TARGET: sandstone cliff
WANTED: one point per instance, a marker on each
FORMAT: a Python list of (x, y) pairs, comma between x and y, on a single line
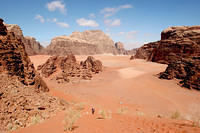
[(32, 46), (64, 45), (176, 42), (23, 100), (145, 51), (82, 43)]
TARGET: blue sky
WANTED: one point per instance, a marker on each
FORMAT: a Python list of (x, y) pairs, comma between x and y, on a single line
[(133, 22)]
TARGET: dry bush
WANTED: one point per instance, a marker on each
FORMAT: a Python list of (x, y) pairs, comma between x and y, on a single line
[(71, 117), (104, 114), (176, 115)]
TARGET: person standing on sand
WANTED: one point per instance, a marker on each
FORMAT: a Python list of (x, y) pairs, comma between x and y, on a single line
[(93, 110)]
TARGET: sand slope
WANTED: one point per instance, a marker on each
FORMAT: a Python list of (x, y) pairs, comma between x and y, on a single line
[(131, 93)]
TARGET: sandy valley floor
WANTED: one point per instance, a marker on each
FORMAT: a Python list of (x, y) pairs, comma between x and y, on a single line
[(133, 96)]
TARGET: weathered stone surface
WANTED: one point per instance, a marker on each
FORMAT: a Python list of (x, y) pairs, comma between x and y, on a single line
[(179, 47), (64, 45), (21, 106), (145, 51), (32, 46), (82, 43), (185, 69), (68, 69), (120, 49), (176, 42), (15, 61), (92, 64)]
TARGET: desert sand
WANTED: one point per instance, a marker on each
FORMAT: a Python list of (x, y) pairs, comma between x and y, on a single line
[(131, 93)]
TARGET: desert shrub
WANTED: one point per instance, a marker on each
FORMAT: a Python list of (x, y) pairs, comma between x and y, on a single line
[(71, 117), (103, 114), (176, 115)]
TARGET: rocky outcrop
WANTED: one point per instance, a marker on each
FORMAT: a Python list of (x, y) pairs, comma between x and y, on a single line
[(92, 64), (82, 43), (64, 45), (122, 51), (15, 61), (185, 69), (21, 106), (32, 46), (23, 100), (179, 47), (120, 48), (176, 43), (145, 51), (66, 69)]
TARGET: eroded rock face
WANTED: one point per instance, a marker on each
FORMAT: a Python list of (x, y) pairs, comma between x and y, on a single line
[(145, 51), (15, 62), (20, 103), (64, 45), (179, 47), (176, 42), (82, 43), (92, 64), (120, 48), (67, 69), (32, 46), (21, 106), (185, 69)]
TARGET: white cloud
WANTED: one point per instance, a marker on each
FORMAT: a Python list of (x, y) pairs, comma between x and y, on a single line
[(40, 18), (63, 24), (115, 22), (52, 20), (87, 22), (109, 11), (57, 4), (131, 34), (92, 15)]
